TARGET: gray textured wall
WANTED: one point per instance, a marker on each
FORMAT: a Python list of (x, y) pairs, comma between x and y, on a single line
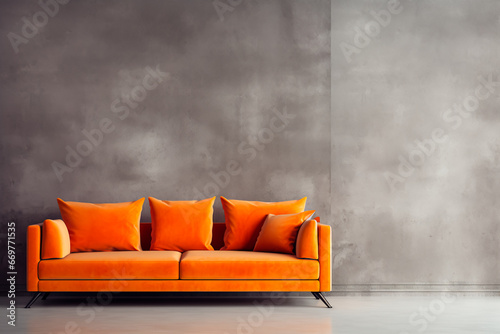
[(228, 74), (437, 218)]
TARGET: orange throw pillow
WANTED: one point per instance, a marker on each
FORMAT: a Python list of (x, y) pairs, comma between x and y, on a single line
[(307, 240), (102, 227), (244, 220), (181, 225), (279, 232)]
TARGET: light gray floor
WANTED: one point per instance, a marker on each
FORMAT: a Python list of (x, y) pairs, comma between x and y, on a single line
[(437, 313)]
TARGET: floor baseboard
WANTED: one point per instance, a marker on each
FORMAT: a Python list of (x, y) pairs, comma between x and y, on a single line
[(352, 289)]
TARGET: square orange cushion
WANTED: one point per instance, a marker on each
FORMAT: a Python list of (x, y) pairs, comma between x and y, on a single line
[(244, 219), (181, 225), (279, 232), (102, 227)]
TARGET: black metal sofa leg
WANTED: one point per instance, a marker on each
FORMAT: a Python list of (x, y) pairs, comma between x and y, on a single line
[(315, 295), (33, 299), (45, 295), (323, 298)]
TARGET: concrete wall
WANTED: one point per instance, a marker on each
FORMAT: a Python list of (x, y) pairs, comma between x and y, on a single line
[(404, 212), (246, 90)]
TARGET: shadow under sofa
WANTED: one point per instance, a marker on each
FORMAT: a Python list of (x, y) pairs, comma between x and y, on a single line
[(169, 271)]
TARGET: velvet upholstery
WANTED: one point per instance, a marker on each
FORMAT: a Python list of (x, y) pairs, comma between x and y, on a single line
[(181, 225), (245, 265), (125, 281), (33, 242), (113, 265), (102, 227), (179, 285), (244, 219), (55, 239), (325, 257), (307, 240), (218, 230), (279, 232)]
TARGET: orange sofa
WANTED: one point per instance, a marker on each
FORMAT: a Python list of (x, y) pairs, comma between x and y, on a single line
[(163, 271)]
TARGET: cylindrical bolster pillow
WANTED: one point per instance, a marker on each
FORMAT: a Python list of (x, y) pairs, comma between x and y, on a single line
[(307, 240), (55, 239)]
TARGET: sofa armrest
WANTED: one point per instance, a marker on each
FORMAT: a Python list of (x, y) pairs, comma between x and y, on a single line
[(325, 257), (33, 242), (55, 239)]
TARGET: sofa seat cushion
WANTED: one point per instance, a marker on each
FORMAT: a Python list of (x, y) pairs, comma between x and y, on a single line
[(246, 265), (113, 265)]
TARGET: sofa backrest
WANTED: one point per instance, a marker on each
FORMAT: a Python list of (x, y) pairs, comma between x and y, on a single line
[(217, 235)]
